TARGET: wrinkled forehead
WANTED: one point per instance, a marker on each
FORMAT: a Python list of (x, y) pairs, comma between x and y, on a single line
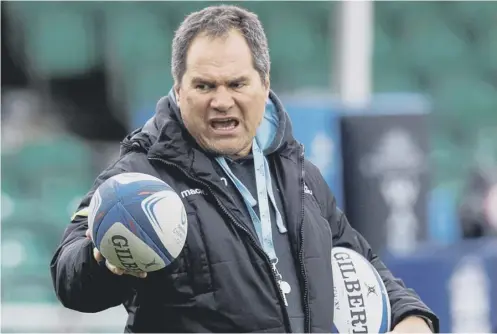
[(219, 58)]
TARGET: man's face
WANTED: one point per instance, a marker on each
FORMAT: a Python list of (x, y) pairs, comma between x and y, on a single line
[(221, 96)]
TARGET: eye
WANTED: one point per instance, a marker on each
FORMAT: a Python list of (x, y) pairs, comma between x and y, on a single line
[(202, 87), (237, 85)]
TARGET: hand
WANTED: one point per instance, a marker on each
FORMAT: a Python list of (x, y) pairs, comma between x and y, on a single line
[(412, 324), (115, 270)]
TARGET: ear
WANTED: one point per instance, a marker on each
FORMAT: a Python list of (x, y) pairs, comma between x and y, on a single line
[(267, 85), (177, 92)]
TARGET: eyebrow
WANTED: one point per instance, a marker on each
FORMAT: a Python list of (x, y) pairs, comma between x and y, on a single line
[(242, 78), (195, 80), (202, 80)]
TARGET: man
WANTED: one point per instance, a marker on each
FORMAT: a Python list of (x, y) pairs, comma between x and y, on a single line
[(261, 222)]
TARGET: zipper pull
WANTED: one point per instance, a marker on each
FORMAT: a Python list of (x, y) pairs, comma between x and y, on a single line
[(276, 272)]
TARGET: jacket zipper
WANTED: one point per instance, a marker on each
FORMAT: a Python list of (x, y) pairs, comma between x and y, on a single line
[(240, 226), (307, 318)]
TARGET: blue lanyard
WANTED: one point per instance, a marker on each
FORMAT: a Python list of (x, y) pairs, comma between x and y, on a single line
[(264, 195)]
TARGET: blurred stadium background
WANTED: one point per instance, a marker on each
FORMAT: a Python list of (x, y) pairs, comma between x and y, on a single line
[(396, 103)]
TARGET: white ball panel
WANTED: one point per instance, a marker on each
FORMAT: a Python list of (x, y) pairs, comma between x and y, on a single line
[(126, 178), (125, 250), (167, 215)]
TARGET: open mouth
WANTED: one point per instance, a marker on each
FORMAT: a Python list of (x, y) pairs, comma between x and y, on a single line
[(225, 124)]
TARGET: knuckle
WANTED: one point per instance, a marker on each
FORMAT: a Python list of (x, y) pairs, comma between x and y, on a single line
[(112, 268)]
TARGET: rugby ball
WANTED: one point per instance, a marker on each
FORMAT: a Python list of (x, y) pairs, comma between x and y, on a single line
[(138, 222), (361, 303)]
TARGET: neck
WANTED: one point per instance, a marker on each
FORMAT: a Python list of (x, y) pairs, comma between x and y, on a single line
[(242, 154)]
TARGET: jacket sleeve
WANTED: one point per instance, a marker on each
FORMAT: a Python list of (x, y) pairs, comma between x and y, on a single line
[(404, 301), (80, 283)]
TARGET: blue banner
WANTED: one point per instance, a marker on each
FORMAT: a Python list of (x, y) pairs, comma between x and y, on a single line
[(317, 126)]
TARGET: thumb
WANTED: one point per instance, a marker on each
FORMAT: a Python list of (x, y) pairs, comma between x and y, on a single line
[(97, 255), (88, 234)]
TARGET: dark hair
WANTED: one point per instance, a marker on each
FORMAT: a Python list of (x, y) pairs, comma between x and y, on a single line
[(217, 21)]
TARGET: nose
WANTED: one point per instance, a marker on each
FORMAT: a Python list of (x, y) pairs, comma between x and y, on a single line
[(222, 100)]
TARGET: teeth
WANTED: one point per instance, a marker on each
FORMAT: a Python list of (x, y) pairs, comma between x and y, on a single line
[(224, 124)]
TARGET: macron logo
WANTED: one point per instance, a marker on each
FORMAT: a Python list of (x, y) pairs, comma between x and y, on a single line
[(189, 192)]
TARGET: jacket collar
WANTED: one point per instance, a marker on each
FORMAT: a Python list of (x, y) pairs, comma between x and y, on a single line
[(165, 136)]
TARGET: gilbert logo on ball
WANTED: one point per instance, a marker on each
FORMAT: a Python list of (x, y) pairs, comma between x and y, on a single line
[(361, 302), (138, 222)]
